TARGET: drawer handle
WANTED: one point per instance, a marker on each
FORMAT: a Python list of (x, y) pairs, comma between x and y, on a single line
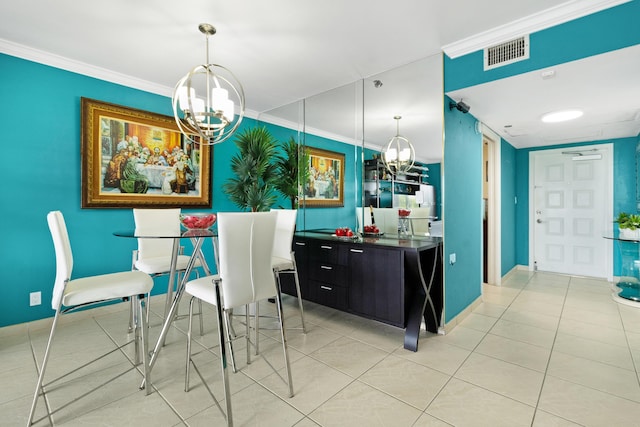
[(326, 247), (301, 244), (326, 288), (358, 251), (326, 267)]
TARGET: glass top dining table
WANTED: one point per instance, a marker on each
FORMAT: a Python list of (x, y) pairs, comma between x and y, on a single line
[(197, 237), (160, 234)]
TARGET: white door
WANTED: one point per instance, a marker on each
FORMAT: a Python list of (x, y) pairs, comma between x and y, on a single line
[(572, 210)]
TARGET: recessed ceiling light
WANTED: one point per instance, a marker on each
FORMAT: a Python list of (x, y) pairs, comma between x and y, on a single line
[(561, 116)]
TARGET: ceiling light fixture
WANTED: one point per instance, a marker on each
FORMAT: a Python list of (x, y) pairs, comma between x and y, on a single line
[(205, 100), (561, 116), (399, 155)]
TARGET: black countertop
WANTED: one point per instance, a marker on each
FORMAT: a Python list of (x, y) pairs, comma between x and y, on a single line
[(409, 242)]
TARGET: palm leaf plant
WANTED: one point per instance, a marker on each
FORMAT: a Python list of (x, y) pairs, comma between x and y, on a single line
[(293, 171), (254, 184), (630, 221)]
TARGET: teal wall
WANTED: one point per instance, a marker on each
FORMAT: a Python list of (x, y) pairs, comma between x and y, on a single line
[(624, 190), (608, 30), (41, 131), (604, 31), (462, 210), (508, 204), (44, 174)]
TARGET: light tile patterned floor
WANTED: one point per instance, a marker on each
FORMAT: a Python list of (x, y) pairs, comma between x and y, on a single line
[(541, 350)]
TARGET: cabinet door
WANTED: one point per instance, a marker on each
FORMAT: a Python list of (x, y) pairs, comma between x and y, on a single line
[(376, 287)]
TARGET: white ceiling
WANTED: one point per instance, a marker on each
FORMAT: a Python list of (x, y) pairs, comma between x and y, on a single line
[(605, 87), (286, 50)]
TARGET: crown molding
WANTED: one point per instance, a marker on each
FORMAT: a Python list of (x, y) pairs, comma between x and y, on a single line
[(539, 21), (64, 63), (67, 64)]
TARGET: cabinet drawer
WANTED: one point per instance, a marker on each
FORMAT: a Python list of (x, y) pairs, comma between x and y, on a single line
[(330, 273), (327, 252), (328, 294)]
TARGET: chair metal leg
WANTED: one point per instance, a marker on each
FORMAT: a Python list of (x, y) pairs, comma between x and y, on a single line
[(201, 318), (188, 364), (226, 327), (293, 271), (297, 281), (257, 326), (137, 341), (148, 306), (144, 337), (247, 335), (284, 343), (223, 356), (43, 369), (132, 309)]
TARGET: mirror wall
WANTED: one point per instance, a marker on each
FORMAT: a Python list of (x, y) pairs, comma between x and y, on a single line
[(355, 122)]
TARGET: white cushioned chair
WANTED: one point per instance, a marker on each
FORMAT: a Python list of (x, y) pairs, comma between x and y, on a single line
[(153, 255), (245, 242), (284, 260), (70, 294)]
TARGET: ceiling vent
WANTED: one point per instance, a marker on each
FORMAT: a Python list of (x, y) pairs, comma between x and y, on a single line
[(506, 53)]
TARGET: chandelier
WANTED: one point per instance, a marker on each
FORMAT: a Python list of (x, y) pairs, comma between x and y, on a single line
[(205, 100), (399, 155)]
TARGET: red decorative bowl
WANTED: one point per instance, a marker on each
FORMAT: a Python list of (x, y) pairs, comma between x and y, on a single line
[(404, 212), (197, 221)]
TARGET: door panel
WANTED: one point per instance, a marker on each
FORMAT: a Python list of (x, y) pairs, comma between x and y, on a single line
[(570, 213)]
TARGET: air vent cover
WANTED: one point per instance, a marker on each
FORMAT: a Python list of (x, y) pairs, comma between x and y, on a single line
[(506, 53)]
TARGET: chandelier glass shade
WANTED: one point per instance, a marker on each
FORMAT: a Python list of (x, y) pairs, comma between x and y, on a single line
[(398, 156), (206, 99)]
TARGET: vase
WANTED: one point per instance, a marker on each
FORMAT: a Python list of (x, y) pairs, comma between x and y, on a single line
[(628, 234)]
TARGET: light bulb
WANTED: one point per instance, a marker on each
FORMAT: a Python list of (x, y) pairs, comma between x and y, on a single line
[(184, 94), (391, 155)]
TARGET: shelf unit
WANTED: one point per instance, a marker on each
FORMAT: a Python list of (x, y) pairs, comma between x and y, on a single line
[(380, 187)]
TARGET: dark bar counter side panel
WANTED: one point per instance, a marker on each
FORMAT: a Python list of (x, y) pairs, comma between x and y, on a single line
[(395, 281)]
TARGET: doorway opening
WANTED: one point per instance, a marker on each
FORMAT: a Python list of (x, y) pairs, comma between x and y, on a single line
[(571, 208), (491, 214)]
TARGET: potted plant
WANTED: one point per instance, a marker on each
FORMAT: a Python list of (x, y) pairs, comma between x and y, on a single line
[(292, 170), (254, 185), (629, 225)]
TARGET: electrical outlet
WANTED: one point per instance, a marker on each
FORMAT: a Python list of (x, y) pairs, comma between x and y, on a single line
[(35, 298), (452, 258)]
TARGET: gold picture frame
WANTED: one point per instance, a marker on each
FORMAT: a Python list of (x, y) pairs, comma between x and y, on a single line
[(325, 184), (135, 158)]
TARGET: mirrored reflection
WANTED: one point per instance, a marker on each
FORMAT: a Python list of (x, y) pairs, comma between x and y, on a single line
[(333, 122), (354, 122), (414, 93), (330, 122)]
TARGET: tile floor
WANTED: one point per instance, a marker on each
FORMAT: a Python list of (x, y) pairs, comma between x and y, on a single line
[(542, 350)]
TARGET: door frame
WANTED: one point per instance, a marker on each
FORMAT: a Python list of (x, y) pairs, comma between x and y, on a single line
[(608, 203), (494, 214)]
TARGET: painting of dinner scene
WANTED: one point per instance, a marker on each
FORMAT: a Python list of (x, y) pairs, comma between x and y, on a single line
[(136, 158)]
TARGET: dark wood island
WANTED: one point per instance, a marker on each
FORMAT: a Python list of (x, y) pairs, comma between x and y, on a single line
[(393, 280)]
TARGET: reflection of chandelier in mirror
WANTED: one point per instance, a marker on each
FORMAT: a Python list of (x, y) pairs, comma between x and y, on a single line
[(208, 119), (398, 155)]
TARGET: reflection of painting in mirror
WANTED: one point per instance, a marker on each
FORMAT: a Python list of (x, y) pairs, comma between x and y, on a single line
[(325, 184)]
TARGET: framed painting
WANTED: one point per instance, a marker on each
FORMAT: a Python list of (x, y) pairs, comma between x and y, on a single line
[(325, 184), (134, 158)]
